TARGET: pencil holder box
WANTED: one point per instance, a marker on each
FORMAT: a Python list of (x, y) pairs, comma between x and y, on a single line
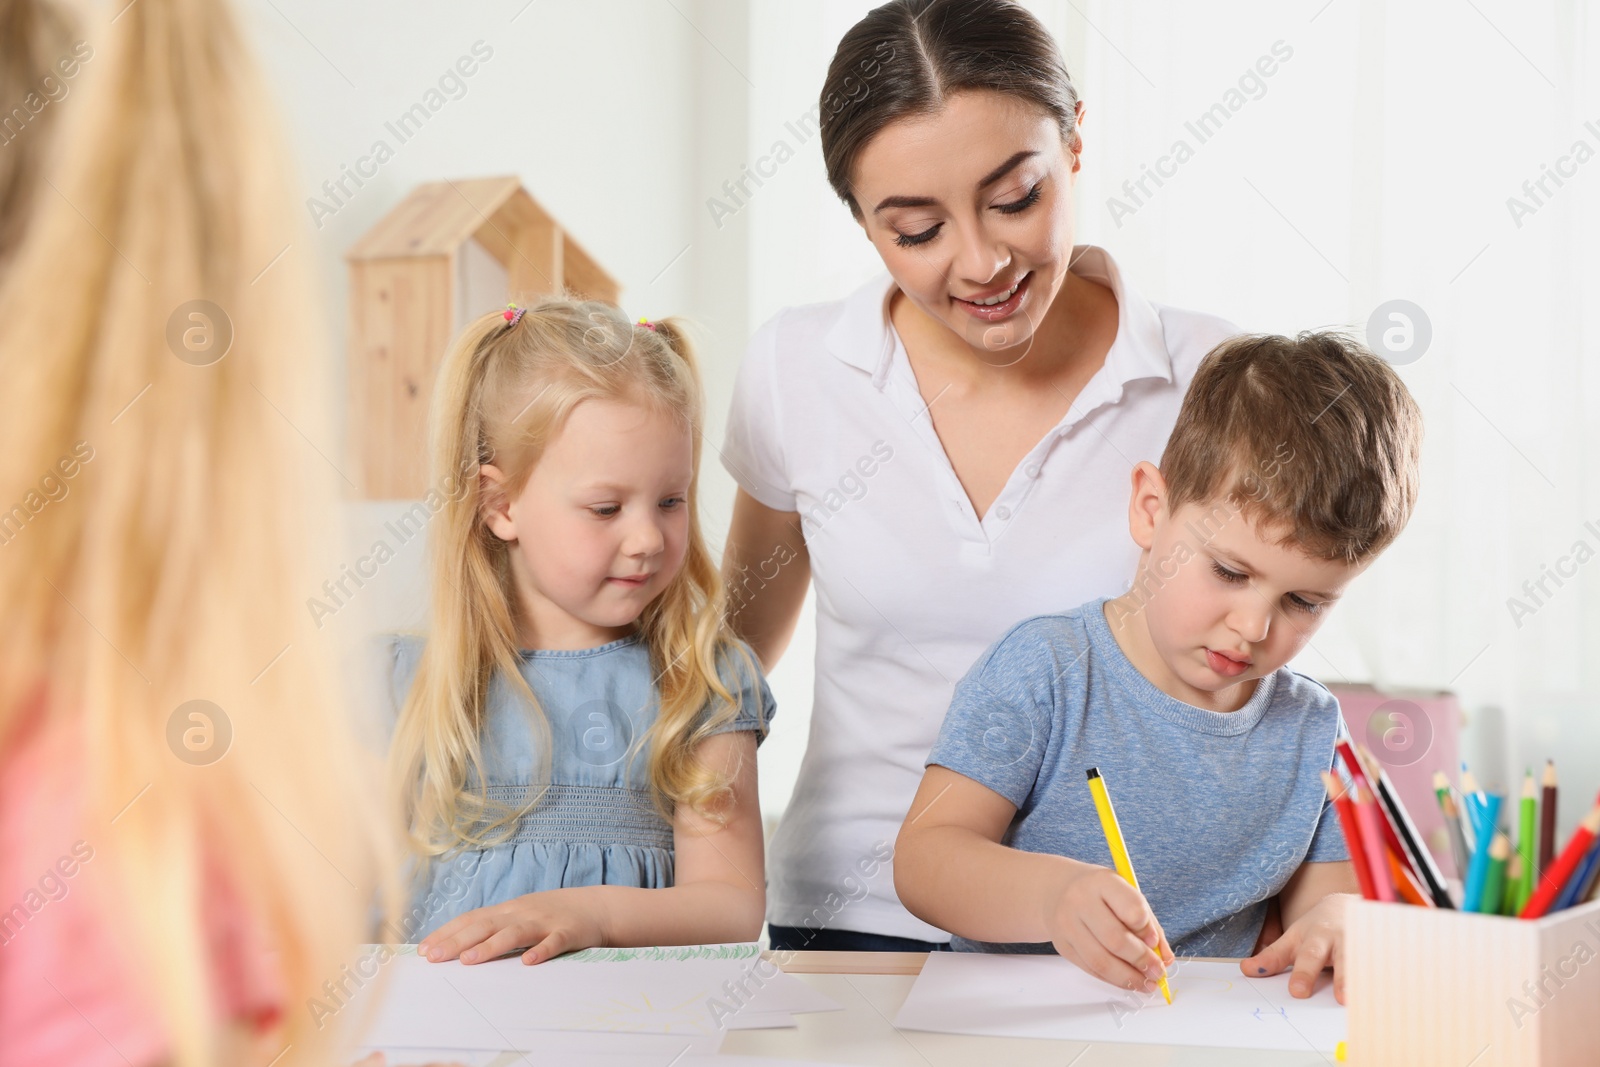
[(1427, 986)]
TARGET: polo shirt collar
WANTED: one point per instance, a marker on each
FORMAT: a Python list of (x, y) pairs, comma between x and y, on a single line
[(863, 337)]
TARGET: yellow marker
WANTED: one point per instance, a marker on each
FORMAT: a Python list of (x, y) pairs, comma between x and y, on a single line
[(1339, 1052), (1119, 849)]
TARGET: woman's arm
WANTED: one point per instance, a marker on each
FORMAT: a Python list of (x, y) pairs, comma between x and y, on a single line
[(951, 870), (767, 568), (718, 895)]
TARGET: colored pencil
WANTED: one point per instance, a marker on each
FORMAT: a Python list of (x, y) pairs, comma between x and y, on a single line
[(1582, 879), (1405, 883), (1452, 822), (1415, 850), (1547, 819), (1359, 776), (1581, 885), (1352, 834), (1118, 847), (1468, 831), (1554, 878), (1478, 870), (1474, 798), (1525, 841), (1368, 819), (1591, 891), (1494, 880), (1508, 899)]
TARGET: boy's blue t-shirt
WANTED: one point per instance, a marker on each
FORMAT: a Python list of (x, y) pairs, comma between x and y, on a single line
[(1218, 809)]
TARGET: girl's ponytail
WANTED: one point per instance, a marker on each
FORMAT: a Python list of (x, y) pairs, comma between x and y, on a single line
[(472, 630), (675, 333)]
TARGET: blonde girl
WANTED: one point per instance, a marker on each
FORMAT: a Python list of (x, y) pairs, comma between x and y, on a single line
[(576, 750), (186, 849)]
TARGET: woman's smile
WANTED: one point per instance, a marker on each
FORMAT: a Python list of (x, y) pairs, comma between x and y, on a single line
[(999, 303)]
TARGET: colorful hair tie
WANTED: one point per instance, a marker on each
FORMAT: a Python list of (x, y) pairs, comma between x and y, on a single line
[(647, 324), (513, 314)]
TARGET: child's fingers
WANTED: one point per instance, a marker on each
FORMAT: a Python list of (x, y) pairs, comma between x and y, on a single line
[(465, 942), (553, 945), (1109, 931), (1124, 944), (1076, 943), (1128, 906), (1316, 951), (1128, 928), (1162, 947), (507, 939), (1338, 969), (1275, 958), (1095, 960), (1111, 953), (447, 942)]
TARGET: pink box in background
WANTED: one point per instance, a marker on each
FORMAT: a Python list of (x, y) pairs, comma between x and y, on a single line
[(1413, 734)]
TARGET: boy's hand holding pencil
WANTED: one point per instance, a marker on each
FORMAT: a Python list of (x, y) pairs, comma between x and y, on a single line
[(1111, 914), (1105, 926)]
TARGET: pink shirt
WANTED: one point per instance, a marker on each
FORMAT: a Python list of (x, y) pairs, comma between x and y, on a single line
[(71, 989)]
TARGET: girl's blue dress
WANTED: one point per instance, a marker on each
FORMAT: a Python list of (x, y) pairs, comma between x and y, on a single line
[(597, 824)]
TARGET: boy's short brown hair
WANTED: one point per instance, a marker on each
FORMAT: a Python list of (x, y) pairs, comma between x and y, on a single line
[(1313, 434)]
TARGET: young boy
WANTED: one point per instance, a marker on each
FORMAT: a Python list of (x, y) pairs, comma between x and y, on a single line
[(1293, 464)]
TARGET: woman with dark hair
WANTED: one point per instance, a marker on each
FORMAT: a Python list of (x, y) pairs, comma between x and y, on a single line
[(947, 450)]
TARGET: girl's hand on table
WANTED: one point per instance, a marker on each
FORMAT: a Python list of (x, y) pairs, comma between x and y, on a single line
[(546, 924)]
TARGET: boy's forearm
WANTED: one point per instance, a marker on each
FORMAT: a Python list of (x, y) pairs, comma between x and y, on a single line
[(693, 914), (1311, 883), (962, 882)]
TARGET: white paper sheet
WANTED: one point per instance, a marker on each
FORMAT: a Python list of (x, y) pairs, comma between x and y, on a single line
[(583, 1048), (754, 1061), (1213, 1005), (597, 1049), (760, 1020), (697, 992), (561, 1046), (416, 1057)]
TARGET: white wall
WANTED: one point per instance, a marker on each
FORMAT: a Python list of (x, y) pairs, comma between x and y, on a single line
[(620, 116)]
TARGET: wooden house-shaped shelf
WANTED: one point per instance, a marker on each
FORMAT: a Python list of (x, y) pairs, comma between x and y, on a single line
[(447, 253)]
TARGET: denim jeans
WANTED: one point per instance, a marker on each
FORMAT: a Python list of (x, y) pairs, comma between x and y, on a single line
[(799, 938)]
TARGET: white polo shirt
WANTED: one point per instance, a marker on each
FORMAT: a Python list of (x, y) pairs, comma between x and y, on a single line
[(911, 587)]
